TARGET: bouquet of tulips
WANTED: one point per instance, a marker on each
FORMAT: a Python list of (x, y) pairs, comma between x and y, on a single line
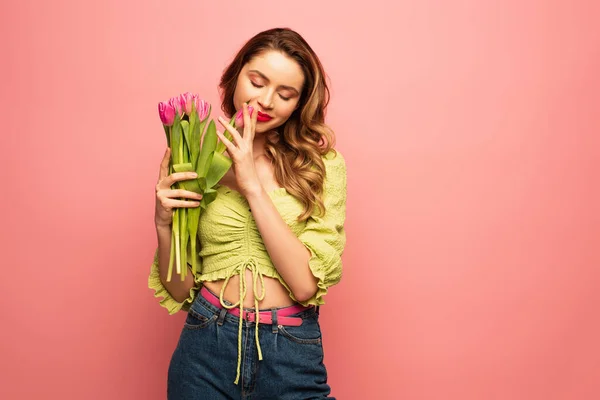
[(193, 148)]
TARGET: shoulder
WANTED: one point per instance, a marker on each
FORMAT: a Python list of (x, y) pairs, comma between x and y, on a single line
[(335, 164), (334, 185)]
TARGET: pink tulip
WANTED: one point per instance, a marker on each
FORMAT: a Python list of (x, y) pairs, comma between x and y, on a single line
[(202, 107), (239, 118), (166, 113), (186, 102), (175, 102)]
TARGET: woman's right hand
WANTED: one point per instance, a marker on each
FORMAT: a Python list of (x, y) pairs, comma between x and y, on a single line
[(166, 197)]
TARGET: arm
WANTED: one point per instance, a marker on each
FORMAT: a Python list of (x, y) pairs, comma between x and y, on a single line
[(311, 262), (178, 290), (290, 257), (175, 294)]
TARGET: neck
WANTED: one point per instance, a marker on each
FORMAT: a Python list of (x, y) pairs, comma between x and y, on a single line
[(258, 146)]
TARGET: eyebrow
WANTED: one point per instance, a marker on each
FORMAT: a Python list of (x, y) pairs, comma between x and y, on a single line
[(267, 79)]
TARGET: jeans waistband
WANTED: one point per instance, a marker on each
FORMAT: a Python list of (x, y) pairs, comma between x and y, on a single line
[(289, 315)]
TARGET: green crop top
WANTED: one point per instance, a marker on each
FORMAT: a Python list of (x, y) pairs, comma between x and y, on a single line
[(231, 243)]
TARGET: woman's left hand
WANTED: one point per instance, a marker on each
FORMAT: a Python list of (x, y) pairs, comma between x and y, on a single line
[(241, 153)]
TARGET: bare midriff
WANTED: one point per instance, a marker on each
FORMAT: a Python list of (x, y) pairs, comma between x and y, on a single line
[(276, 295)]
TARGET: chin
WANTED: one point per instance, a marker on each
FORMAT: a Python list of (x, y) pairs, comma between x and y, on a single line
[(266, 127)]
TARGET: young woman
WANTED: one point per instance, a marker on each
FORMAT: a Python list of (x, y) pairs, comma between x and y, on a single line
[(271, 242)]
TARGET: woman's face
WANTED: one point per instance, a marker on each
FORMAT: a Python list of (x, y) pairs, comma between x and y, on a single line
[(271, 82)]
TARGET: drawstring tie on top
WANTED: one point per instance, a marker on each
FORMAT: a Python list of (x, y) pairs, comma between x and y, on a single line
[(252, 265)]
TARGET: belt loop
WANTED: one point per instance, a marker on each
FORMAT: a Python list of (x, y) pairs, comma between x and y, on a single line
[(222, 316), (274, 320)]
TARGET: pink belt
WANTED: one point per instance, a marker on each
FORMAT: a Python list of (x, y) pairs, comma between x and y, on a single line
[(265, 316)]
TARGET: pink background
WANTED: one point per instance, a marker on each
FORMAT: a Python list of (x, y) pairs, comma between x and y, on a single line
[(470, 130)]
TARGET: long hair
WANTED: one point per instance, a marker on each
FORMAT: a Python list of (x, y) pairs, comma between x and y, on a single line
[(295, 149)]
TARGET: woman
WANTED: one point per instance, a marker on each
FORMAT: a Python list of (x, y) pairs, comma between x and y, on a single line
[(270, 242)]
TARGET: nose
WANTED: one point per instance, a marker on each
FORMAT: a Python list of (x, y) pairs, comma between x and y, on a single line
[(265, 101)]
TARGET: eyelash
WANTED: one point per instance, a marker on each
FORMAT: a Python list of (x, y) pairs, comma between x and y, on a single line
[(259, 86)]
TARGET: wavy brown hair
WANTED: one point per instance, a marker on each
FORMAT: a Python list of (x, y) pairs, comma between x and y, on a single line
[(295, 149)]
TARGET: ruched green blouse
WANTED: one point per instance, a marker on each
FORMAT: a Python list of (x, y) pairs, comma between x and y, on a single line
[(230, 241)]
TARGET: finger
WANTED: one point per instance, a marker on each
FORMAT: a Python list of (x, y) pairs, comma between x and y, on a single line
[(254, 119), (181, 193), (247, 122), (167, 182), (164, 165), (230, 146), (234, 133), (170, 204)]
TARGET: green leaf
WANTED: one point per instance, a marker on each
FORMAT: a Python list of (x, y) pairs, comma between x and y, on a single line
[(167, 134), (195, 258), (198, 133), (176, 141), (183, 167), (217, 169), (187, 144), (189, 184), (208, 146), (185, 126), (207, 165), (194, 116), (196, 128), (193, 221), (202, 183), (208, 197), (221, 146)]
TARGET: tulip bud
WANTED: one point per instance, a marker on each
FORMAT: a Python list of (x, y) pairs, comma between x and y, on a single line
[(186, 102), (166, 113), (239, 118), (175, 102), (202, 107)]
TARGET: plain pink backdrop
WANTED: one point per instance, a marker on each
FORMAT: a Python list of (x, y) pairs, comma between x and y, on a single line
[(470, 130)]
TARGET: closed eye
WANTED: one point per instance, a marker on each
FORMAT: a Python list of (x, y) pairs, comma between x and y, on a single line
[(259, 86)]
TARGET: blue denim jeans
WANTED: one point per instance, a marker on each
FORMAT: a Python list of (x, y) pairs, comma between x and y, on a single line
[(204, 364)]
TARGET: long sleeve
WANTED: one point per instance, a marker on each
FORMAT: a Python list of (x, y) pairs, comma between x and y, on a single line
[(154, 283), (325, 236)]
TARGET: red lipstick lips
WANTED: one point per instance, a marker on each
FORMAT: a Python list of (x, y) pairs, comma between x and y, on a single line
[(262, 117)]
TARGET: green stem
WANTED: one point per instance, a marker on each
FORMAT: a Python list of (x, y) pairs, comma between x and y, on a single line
[(171, 256), (172, 252), (181, 148), (180, 213), (183, 234), (193, 244), (177, 245), (171, 144)]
